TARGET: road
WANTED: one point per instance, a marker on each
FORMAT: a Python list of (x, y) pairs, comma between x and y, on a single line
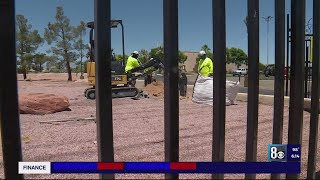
[(261, 91), (266, 87)]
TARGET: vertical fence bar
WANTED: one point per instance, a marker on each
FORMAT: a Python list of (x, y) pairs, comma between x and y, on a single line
[(288, 47), (306, 75), (123, 47), (9, 107), (171, 78), (219, 112), (314, 124), (280, 6), (298, 9), (253, 83), (102, 33)]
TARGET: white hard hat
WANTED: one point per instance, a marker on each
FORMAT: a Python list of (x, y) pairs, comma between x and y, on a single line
[(135, 52), (202, 53)]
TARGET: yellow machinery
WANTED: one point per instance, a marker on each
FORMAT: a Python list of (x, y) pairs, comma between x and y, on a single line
[(123, 84), (117, 80), (120, 83)]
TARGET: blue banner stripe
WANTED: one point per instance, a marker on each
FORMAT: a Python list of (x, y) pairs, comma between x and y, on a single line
[(73, 167), (249, 167), (164, 167), (133, 166)]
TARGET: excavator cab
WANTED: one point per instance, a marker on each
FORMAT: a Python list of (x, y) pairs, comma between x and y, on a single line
[(123, 84)]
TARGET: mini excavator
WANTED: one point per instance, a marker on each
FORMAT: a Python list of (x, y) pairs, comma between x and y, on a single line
[(123, 83)]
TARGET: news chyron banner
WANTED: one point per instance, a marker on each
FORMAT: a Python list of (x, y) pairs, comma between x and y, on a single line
[(282, 158)]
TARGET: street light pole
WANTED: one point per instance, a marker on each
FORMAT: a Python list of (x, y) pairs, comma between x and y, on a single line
[(267, 19), (81, 47)]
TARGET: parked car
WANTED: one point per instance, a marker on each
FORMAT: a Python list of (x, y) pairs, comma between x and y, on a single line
[(240, 72), (270, 70)]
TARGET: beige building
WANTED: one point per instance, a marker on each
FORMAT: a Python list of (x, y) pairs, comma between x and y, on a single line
[(190, 63)]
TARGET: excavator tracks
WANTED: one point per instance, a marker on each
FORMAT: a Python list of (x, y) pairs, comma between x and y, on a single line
[(119, 92)]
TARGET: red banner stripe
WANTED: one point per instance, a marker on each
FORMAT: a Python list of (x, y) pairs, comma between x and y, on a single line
[(183, 166), (110, 166)]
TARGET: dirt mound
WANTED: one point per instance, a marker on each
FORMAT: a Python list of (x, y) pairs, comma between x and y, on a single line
[(155, 89)]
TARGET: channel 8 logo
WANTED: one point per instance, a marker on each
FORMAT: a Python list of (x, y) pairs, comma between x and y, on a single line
[(277, 152)]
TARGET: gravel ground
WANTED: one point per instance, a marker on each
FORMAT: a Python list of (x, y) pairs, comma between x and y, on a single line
[(138, 135)]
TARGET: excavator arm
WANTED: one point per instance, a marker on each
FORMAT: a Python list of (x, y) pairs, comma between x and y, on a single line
[(155, 63)]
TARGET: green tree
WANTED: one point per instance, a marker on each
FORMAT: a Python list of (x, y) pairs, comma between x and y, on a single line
[(236, 56), (261, 67), (119, 57), (79, 45), (158, 53), (39, 60), (206, 49), (182, 57), (85, 65), (144, 56), (63, 35), (27, 43)]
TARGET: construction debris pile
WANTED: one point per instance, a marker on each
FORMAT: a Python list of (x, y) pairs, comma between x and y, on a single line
[(155, 89)]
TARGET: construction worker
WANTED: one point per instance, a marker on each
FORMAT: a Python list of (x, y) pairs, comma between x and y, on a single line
[(205, 67), (132, 61), (148, 76), (183, 81)]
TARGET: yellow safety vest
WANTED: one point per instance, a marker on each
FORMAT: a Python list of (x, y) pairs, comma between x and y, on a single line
[(131, 63), (205, 67)]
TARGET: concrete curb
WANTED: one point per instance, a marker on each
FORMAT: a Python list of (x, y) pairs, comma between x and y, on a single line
[(268, 100)]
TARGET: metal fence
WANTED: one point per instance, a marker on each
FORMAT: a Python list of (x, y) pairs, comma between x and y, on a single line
[(307, 61), (10, 127)]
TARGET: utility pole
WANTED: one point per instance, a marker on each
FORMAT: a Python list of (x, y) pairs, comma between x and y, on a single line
[(267, 19), (81, 76)]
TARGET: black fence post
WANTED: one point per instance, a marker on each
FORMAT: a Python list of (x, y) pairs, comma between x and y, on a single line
[(9, 106), (314, 118), (219, 86), (279, 72), (288, 54), (298, 9), (171, 82), (253, 83), (306, 72), (102, 33)]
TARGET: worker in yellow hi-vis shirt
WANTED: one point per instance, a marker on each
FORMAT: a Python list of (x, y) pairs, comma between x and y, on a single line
[(132, 61), (205, 67)]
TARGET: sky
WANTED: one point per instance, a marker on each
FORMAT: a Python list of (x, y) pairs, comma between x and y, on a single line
[(143, 22)]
